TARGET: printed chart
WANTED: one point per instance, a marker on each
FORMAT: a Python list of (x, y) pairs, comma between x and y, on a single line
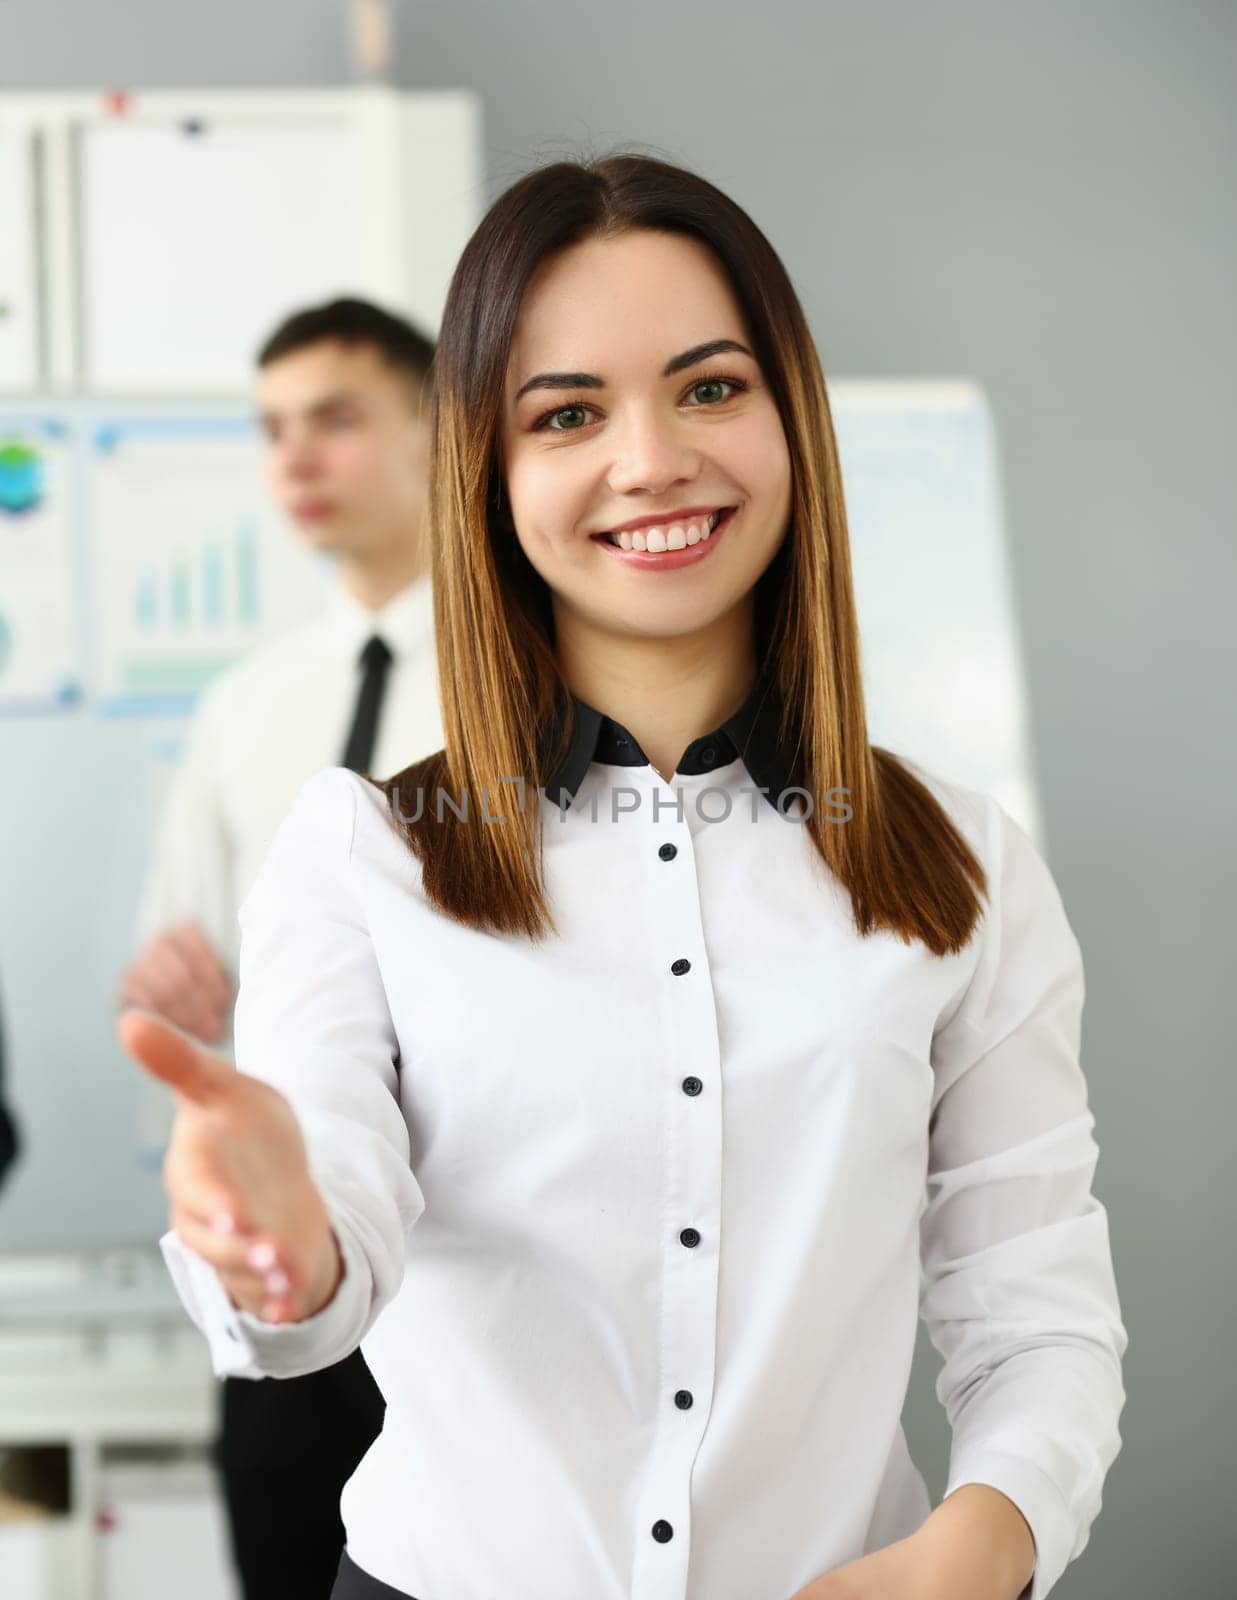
[(192, 568), (39, 658)]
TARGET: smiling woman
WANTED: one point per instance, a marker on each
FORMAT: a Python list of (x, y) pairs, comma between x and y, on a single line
[(689, 414), (640, 1119)]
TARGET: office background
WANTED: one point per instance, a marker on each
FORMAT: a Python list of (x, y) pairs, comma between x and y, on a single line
[(1040, 198)]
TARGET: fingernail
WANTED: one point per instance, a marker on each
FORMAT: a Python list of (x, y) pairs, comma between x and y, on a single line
[(261, 1256), (277, 1282), (223, 1222)]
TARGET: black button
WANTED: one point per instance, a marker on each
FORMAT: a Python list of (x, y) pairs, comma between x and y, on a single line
[(708, 753), (663, 1532), (690, 1238), (668, 852), (683, 1399), (692, 1086), (680, 966)]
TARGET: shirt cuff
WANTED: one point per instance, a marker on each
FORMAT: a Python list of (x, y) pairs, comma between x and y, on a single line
[(243, 1345), (1040, 1502)]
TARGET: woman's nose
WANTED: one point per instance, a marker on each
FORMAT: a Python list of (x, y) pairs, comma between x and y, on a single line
[(651, 450)]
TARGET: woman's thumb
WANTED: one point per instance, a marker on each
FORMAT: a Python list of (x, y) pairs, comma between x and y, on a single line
[(167, 1054)]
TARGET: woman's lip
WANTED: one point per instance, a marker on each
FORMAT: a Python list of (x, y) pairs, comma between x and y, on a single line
[(668, 560)]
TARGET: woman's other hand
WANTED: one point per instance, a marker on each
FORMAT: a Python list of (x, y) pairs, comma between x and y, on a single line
[(976, 1545), (898, 1572), (237, 1178)]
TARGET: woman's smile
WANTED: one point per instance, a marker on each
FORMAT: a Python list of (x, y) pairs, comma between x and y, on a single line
[(666, 546)]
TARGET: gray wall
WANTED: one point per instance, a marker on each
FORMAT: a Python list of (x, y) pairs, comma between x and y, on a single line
[(1039, 197)]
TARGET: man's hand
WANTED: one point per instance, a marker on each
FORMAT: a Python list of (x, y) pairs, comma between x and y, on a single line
[(237, 1178), (178, 975)]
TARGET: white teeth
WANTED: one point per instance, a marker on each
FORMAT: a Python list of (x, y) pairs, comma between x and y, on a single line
[(675, 536)]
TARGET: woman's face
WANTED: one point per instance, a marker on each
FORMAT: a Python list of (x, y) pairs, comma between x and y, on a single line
[(615, 412)]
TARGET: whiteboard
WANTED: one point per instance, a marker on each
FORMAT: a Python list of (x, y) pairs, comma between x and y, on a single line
[(19, 308), (941, 655), (198, 237)]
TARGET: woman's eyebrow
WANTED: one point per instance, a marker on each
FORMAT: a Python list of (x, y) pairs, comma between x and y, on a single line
[(590, 380)]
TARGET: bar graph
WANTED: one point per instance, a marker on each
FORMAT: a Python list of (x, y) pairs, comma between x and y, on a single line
[(212, 588), (193, 568)]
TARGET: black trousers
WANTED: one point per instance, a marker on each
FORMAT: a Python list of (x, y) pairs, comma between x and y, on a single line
[(353, 1584), (286, 1448)]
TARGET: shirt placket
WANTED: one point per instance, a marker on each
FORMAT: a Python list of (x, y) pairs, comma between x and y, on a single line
[(689, 1091)]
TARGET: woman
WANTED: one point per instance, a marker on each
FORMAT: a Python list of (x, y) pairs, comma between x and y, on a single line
[(644, 1053)]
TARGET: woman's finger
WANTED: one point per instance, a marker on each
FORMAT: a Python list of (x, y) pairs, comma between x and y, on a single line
[(167, 1055), (223, 1246), (257, 1262), (255, 1273), (248, 1292), (272, 1298)]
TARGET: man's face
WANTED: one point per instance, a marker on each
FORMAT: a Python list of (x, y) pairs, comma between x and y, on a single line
[(347, 447)]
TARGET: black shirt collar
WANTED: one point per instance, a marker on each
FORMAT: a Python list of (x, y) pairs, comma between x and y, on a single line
[(753, 733)]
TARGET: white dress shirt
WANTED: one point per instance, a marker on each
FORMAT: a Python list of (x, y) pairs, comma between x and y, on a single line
[(636, 1223), (258, 731)]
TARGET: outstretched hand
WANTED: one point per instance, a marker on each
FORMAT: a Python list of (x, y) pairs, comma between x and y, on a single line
[(237, 1177)]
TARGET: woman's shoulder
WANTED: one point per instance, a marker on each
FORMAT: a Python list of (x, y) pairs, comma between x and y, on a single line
[(341, 810), (366, 812)]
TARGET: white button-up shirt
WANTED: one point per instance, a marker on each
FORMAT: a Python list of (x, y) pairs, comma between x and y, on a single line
[(636, 1223), (258, 731)]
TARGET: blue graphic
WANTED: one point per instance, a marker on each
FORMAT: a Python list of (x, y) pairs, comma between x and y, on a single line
[(21, 477)]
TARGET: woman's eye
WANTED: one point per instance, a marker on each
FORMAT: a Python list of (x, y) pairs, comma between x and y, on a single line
[(713, 383), (563, 411), (546, 421)]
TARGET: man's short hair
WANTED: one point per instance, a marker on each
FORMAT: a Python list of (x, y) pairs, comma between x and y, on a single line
[(350, 321)]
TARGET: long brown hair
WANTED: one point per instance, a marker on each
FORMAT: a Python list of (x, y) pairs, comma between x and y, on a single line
[(503, 699)]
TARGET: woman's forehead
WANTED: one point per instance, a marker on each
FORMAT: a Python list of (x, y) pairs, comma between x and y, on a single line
[(620, 324)]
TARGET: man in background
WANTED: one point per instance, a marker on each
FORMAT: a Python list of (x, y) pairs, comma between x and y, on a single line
[(343, 394)]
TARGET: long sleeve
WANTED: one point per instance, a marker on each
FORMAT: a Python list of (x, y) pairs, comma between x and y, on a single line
[(1018, 1291), (188, 878), (189, 874), (312, 1019)]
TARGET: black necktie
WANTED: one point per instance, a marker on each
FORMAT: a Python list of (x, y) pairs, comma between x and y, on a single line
[(359, 751)]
